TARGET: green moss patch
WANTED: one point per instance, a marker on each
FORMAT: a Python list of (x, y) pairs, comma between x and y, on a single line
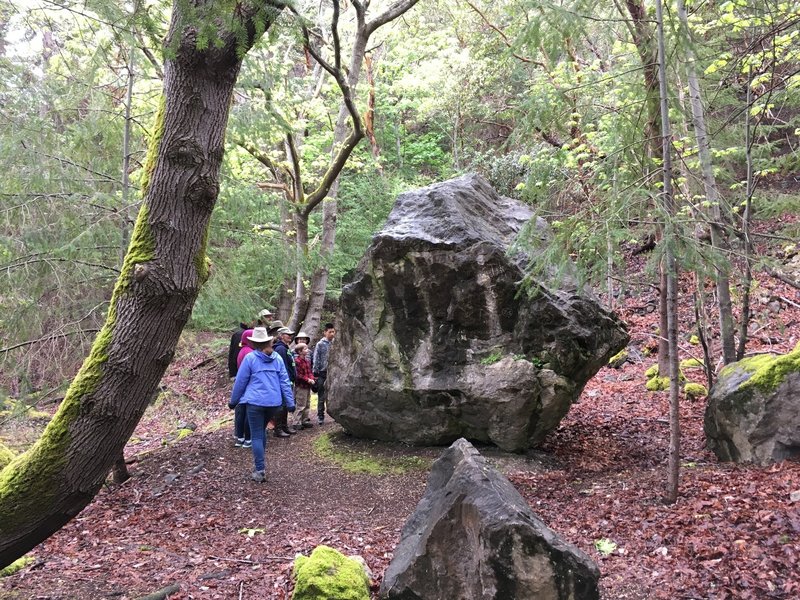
[(651, 372), (618, 359), (695, 390), (16, 566), (691, 363), (6, 455), (328, 574), (769, 370), (657, 384), (362, 462)]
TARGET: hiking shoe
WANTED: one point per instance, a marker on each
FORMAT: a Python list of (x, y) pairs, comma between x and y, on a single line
[(259, 476), (320, 422), (247, 444), (280, 433), (290, 430), (307, 425), (238, 443)]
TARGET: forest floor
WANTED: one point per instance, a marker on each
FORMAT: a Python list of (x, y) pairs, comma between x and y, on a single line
[(190, 516)]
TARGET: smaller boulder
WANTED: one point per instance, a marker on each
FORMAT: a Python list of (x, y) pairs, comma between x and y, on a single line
[(753, 411), (473, 537), (328, 574)]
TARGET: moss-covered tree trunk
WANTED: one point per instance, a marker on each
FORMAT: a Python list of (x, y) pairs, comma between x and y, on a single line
[(165, 266)]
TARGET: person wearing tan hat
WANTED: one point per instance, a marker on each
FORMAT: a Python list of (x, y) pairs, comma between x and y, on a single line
[(265, 317), (262, 384)]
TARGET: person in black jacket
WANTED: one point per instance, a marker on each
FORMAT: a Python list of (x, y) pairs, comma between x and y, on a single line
[(236, 339), (283, 337)]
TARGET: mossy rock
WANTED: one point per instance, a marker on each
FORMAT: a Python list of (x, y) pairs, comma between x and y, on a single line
[(695, 390), (6, 455), (328, 574), (657, 384), (651, 372), (769, 370), (619, 359), (753, 408), (694, 340), (16, 566), (691, 363)]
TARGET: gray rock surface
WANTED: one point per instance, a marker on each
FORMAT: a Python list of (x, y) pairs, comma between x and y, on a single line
[(436, 341), (473, 537), (753, 410)]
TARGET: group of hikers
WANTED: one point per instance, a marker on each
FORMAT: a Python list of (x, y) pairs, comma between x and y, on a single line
[(275, 372)]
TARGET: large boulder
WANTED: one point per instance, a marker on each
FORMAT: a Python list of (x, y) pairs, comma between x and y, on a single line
[(753, 411), (473, 537), (436, 339)]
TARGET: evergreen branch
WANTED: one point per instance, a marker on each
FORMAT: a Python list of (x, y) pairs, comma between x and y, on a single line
[(18, 265), (504, 37), (74, 164)]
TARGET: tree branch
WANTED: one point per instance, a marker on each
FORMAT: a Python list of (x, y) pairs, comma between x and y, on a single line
[(390, 14)]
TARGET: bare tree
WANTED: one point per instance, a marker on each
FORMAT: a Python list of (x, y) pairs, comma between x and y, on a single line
[(364, 30)]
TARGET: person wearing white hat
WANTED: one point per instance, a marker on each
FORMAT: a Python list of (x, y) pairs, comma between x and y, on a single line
[(262, 383)]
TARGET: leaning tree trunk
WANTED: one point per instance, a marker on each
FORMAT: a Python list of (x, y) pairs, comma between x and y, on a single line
[(165, 266)]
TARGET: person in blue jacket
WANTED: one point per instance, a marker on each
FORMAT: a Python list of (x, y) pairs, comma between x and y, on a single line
[(262, 383)]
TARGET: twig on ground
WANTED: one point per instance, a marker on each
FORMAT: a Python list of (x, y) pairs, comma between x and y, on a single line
[(795, 304)]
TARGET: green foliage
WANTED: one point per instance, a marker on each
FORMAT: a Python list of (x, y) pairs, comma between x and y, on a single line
[(605, 546), (495, 356)]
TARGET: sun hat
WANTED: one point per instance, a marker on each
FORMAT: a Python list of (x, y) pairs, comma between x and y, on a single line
[(283, 330), (302, 335), (265, 313), (274, 326), (260, 335)]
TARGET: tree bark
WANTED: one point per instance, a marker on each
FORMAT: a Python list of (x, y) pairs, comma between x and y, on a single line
[(164, 268), (671, 272), (722, 279)]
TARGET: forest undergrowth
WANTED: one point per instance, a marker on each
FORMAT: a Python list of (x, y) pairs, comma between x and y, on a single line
[(189, 517)]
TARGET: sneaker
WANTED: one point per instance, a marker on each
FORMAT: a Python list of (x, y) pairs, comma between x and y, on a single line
[(258, 476), (307, 425), (247, 444), (239, 443), (321, 422)]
